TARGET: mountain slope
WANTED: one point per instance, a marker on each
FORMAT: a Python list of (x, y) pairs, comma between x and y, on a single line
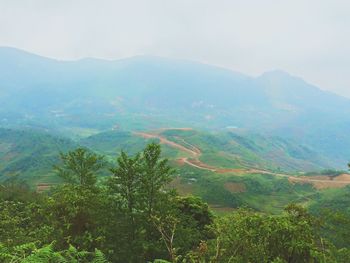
[(220, 149), (30, 154), (149, 92)]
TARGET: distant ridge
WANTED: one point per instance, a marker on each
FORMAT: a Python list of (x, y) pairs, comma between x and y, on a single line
[(155, 92)]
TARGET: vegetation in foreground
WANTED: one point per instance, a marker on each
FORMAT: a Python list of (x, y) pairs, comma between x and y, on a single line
[(131, 216)]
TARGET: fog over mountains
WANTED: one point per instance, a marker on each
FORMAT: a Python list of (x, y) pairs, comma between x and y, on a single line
[(152, 92)]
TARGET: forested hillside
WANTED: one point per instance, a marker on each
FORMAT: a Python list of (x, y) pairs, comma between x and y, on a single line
[(30, 155), (235, 149)]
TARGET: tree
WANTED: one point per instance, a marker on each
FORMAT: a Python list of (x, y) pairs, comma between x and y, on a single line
[(194, 221), (156, 173), (75, 212), (126, 181), (75, 207), (80, 167), (139, 181), (248, 236), (166, 226), (125, 184), (16, 189)]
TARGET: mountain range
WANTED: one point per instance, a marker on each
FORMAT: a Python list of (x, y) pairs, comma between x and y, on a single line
[(143, 93)]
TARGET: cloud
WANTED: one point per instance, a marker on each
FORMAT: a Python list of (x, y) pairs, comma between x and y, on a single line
[(307, 38)]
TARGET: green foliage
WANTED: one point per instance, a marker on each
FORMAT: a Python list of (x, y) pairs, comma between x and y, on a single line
[(75, 211), (30, 253), (333, 207), (23, 222), (127, 179), (155, 175), (247, 236), (215, 193), (80, 167), (111, 143), (194, 218), (30, 154), (139, 182), (16, 189), (326, 172)]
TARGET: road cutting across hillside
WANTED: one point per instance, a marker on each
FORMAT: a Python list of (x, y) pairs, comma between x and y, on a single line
[(319, 182)]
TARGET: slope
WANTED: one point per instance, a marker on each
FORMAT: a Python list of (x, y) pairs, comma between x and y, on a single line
[(217, 149), (30, 154)]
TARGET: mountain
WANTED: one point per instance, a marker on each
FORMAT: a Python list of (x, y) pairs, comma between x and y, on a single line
[(150, 92)]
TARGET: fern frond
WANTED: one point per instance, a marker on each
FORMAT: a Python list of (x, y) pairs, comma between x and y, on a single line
[(99, 257)]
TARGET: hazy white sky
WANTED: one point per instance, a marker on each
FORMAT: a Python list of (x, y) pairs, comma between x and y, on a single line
[(308, 38)]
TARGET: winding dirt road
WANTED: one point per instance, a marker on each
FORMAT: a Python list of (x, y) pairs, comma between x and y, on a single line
[(319, 182)]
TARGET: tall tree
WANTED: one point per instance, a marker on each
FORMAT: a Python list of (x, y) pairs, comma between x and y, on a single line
[(139, 181), (156, 173), (126, 180), (125, 183), (80, 167), (75, 206)]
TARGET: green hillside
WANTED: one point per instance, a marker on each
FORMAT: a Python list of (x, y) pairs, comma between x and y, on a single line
[(219, 149), (30, 154), (110, 143), (237, 150)]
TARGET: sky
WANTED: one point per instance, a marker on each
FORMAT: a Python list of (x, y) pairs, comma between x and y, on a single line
[(307, 38)]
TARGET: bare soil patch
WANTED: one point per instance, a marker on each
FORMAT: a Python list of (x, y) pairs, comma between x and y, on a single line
[(342, 177), (323, 182), (178, 129)]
